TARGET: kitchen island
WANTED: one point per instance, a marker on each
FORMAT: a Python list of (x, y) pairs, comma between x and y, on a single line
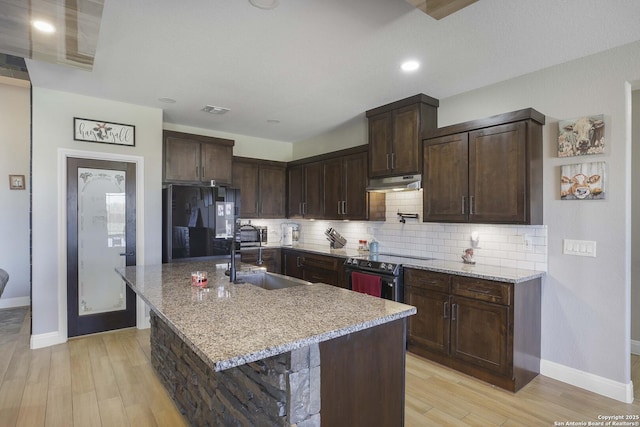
[(238, 354)]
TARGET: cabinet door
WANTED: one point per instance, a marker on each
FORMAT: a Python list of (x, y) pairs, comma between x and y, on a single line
[(429, 328), (497, 174), (270, 258), (480, 334), (405, 155), (314, 275), (272, 192), (295, 191), (181, 160), (445, 176), (333, 182), (313, 190), (380, 134), (354, 184), (292, 263), (216, 163), (246, 179)]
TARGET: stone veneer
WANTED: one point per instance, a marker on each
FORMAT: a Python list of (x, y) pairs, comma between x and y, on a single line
[(282, 390)]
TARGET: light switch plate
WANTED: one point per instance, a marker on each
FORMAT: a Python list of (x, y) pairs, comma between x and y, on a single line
[(579, 247)]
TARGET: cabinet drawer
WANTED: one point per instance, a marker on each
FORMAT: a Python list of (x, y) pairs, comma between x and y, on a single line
[(320, 262), (427, 280), (267, 254), (483, 290)]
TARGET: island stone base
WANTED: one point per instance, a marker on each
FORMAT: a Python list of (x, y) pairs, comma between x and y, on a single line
[(283, 390)]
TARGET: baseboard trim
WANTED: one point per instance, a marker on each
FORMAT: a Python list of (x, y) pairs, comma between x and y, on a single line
[(14, 302), (46, 340), (635, 347), (594, 383)]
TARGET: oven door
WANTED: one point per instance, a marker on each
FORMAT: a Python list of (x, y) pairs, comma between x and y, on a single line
[(391, 288)]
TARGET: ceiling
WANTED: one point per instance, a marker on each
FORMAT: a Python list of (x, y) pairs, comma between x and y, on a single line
[(313, 65)]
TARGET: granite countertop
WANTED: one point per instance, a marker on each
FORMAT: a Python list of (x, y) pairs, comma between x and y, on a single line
[(481, 271), (232, 324)]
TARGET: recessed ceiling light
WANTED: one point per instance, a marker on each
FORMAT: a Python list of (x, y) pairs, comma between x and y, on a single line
[(43, 26), (167, 100), (212, 109), (265, 4), (410, 65)]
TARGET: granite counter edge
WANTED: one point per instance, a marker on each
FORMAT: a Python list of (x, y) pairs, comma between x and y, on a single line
[(269, 351), (480, 275)]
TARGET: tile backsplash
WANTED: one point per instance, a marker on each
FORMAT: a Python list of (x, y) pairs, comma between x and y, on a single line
[(500, 245)]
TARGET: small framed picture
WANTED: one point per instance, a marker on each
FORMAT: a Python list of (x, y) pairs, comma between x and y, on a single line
[(16, 182)]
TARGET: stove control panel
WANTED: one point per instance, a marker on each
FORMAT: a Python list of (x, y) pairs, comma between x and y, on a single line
[(375, 266)]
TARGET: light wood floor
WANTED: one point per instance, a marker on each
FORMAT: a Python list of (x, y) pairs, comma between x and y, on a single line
[(107, 380)]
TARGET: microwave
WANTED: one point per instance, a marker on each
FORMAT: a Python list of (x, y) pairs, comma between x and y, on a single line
[(251, 235)]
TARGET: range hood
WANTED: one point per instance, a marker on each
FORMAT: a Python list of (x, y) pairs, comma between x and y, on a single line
[(395, 183)]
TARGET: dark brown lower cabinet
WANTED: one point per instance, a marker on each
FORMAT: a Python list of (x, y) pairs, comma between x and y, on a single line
[(484, 328), (313, 267), (270, 258), (362, 378)]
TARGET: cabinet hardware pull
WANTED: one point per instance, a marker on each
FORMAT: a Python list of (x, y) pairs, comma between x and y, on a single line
[(454, 309), (446, 309), (258, 207), (339, 203), (470, 205), (198, 171), (393, 161), (463, 210), (480, 291), (344, 207), (387, 160), (202, 171), (298, 262)]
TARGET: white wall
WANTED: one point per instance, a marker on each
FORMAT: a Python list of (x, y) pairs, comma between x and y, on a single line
[(245, 146), (635, 224), (15, 110), (53, 114), (352, 133)]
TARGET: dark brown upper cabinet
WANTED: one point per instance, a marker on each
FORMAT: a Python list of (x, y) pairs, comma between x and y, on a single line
[(333, 186), (262, 185), (195, 159), (305, 189), (485, 171), (395, 135), (345, 183)]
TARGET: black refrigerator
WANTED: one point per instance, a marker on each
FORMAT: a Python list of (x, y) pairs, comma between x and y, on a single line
[(198, 222)]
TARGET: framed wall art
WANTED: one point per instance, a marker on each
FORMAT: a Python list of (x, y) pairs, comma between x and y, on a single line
[(16, 182), (581, 136), (583, 181), (103, 132)]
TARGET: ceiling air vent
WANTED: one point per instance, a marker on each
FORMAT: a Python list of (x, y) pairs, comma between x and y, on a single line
[(212, 109)]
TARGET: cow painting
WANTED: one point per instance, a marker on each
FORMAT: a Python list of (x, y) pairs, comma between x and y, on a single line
[(582, 181), (581, 136)]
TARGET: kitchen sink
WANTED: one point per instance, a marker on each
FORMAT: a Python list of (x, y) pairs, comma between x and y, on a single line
[(270, 281)]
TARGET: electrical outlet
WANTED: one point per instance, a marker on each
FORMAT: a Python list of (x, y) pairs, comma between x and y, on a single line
[(528, 243), (579, 247)]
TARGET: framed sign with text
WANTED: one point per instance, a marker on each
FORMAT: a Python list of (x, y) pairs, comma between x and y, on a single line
[(104, 132)]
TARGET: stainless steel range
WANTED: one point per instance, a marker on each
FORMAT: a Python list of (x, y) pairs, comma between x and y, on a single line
[(378, 266)]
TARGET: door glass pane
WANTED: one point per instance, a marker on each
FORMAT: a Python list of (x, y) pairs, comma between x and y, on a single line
[(101, 240)]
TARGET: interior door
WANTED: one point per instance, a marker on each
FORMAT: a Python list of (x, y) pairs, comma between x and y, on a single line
[(101, 231)]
